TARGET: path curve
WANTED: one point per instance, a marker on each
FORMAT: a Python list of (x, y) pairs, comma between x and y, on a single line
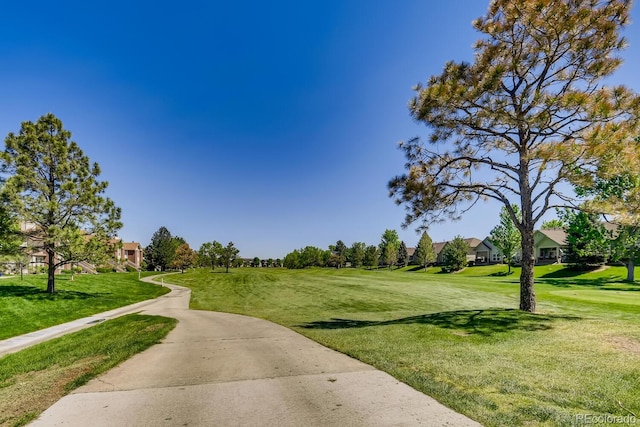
[(20, 342), (219, 369)]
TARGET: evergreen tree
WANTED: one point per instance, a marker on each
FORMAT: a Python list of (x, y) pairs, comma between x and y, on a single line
[(54, 189), (425, 254), (587, 239), (403, 255), (10, 241), (529, 114), (159, 254), (455, 254), (356, 254)]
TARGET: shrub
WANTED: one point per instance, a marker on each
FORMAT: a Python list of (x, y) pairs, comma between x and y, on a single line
[(455, 254)]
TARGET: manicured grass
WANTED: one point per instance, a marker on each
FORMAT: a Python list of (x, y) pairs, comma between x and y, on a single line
[(33, 379), (26, 306), (458, 337)]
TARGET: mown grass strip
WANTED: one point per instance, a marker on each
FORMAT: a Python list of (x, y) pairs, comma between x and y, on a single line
[(33, 379), (26, 306)]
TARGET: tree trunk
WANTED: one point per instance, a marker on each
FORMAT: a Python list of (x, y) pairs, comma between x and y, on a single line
[(527, 293), (631, 266), (51, 271)]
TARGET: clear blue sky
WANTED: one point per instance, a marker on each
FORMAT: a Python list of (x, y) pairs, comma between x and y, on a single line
[(272, 124)]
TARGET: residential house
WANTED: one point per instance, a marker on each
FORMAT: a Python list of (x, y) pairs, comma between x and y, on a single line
[(130, 253), (492, 253), (37, 258), (475, 245), (437, 248), (411, 252), (549, 245), (487, 253)]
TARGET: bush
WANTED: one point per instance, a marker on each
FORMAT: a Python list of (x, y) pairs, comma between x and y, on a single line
[(39, 270), (130, 269), (455, 255), (105, 270)]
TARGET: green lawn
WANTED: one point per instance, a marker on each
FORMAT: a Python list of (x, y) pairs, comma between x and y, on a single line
[(33, 379), (25, 306), (458, 337)]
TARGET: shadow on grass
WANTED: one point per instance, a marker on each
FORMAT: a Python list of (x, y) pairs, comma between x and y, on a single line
[(569, 272), (592, 283), (474, 322), (33, 293), (502, 273)]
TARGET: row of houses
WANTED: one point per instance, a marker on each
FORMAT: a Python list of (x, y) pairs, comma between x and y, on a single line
[(549, 247)]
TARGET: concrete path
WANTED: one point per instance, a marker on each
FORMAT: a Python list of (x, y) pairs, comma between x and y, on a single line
[(217, 369), (11, 345)]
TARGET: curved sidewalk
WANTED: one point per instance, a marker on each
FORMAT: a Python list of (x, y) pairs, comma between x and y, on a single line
[(13, 344), (232, 370)]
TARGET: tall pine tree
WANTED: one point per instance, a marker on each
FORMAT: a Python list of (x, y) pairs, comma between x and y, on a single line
[(56, 193)]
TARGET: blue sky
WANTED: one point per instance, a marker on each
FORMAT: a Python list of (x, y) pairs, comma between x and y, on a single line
[(271, 124)]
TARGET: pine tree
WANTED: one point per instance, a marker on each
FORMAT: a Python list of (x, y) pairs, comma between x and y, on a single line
[(403, 255), (425, 254), (55, 191), (531, 113)]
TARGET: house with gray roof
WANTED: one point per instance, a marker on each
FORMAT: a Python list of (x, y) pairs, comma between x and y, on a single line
[(549, 245)]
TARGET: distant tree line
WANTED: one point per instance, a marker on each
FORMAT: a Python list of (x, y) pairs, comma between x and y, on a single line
[(389, 253), (167, 252), (172, 252)]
